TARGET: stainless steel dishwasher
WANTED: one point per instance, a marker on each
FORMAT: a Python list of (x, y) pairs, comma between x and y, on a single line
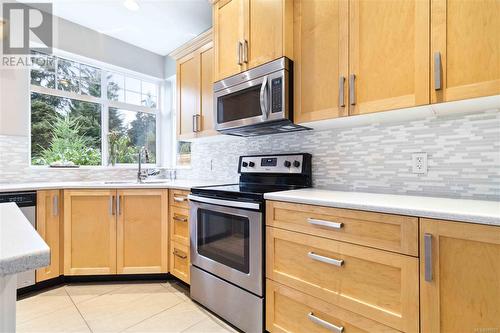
[(26, 201)]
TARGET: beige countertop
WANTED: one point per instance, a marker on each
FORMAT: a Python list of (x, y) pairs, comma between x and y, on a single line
[(474, 211)]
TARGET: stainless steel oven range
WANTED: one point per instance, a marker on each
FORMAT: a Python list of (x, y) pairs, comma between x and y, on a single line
[(227, 236)]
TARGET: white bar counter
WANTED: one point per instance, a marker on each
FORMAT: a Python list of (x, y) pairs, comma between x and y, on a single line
[(21, 249)]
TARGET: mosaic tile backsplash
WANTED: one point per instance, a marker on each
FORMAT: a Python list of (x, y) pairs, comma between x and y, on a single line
[(463, 156)]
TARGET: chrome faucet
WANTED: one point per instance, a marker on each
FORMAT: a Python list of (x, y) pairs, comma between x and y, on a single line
[(140, 176)]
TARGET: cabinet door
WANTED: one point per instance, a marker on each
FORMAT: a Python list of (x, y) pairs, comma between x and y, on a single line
[(179, 225), (389, 54), (320, 42), (265, 26), (188, 89), (465, 35), (228, 21), (48, 215), (207, 91), (89, 232), (142, 231), (459, 277)]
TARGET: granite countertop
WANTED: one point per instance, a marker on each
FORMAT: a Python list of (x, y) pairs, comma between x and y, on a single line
[(474, 211), (21, 248), (182, 184)]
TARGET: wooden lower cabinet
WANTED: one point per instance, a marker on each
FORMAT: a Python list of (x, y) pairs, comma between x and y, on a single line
[(48, 225), (459, 277), (179, 225), (142, 231), (376, 284), (89, 232), (291, 311), (179, 261)]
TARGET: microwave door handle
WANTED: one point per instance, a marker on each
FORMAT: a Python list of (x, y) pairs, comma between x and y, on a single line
[(263, 98)]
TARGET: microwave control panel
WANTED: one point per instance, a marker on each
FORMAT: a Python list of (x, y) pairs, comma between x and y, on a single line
[(276, 95)]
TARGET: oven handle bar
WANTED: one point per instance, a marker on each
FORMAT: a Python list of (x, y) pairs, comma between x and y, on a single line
[(229, 203)]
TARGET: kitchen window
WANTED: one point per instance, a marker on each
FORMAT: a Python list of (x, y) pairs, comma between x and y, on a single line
[(90, 115)]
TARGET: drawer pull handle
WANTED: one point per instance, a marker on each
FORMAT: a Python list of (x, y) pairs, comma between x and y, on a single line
[(331, 261), (328, 224), (177, 254), (180, 219), (180, 199), (325, 324)]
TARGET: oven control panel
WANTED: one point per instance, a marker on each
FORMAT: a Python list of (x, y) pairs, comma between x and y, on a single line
[(286, 164)]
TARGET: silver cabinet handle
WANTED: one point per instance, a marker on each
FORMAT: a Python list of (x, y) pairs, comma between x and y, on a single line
[(119, 205), (55, 205), (197, 120), (245, 51), (111, 205), (352, 91), (194, 123), (238, 50), (263, 98), (328, 224), (177, 254), (180, 219), (437, 71), (428, 257), (326, 260), (341, 91), (325, 324), (180, 199)]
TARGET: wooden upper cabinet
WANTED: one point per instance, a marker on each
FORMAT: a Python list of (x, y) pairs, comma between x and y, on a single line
[(195, 87), (188, 82), (465, 39), (48, 225), (89, 232), (265, 29), (228, 20), (459, 277), (249, 33), (142, 231), (320, 47), (388, 56), (207, 90)]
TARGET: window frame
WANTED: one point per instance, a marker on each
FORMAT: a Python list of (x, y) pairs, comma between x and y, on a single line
[(104, 102)]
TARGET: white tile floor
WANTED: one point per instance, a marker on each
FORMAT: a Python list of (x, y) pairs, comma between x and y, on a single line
[(116, 307)]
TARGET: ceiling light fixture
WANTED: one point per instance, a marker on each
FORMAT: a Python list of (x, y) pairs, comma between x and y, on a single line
[(131, 5)]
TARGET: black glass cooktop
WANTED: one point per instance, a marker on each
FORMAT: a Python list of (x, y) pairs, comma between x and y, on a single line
[(241, 191)]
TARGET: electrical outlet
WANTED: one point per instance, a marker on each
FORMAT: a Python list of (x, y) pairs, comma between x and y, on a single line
[(419, 163)]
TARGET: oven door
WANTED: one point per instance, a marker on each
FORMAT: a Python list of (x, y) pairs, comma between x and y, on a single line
[(227, 241), (251, 102)]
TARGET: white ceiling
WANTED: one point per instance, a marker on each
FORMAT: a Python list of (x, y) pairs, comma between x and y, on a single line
[(159, 26)]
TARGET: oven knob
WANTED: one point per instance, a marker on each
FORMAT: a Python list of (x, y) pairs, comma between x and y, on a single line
[(296, 164), (287, 164), (244, 164), (251, 164)]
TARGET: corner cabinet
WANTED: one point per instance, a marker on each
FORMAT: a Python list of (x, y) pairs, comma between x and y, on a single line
[(194, 88), (249, 33), (89, 232), (48, 225), (459, 277), (115, 232), (465, 49)]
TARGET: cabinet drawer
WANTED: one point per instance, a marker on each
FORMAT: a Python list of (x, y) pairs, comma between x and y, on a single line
[(291, 311), (384, 231), (179, 225), (178, 198), (376, 284), (179, 261)]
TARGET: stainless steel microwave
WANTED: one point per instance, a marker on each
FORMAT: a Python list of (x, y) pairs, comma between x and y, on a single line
[(256, 102)]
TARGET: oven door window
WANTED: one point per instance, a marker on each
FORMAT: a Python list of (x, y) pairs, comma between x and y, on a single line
[(224, 238), (239, 105)]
